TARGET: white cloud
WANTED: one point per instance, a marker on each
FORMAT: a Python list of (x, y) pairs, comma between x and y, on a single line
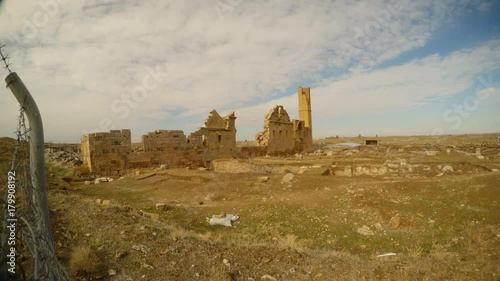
[(485, 6), (489, 96), (83, 55)]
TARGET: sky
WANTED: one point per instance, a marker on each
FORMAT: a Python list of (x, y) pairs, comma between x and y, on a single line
[(374, 67)]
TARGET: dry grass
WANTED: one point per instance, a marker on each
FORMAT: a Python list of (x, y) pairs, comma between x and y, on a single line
[(84, 260)]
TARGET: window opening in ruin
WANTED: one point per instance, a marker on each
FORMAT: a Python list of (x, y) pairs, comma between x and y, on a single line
[(176, 136), (220, 138), (281, 132), (204, 140)]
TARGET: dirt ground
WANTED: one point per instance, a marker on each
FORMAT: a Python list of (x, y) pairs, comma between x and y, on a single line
[(409, 208)]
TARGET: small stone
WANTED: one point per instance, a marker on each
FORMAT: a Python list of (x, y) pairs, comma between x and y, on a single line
[(447, 168), (263, 179), (120, 254), (265, 260), (395, 221), (160, 206), (106, 202), (268, 277), (287, 178), (148, 266), (87, 234), (87, 183), (111, 272), (98, 201), (365, 230), (226, 262), (319, 275)]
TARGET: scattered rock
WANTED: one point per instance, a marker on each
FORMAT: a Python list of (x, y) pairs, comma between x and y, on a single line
[(347, 171), (209, 197), (440, 174), (160, 206), (163, 167), (106, 202), (98, 201), (268, 277), (319, 275), (447, 168), (365, 230), (226, 262), (148, 266), (140, 248), (120, 254), (480, 157), (299, 156), (265, 260), (395, 221), (263, 179), (287, 178), (87, 182), (111, 272)]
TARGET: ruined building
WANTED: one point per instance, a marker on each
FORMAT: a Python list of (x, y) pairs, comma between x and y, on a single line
[(111, 153), (284, 136), (217, 139), (106, 151)]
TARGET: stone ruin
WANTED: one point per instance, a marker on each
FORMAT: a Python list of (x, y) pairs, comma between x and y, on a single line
[(284, 136), (111, 153)]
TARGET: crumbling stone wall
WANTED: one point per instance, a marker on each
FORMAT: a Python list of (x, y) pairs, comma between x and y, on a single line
[(106, 153), (111, 153), (284, 136), (278, 134), (217, 139), (163, 140)]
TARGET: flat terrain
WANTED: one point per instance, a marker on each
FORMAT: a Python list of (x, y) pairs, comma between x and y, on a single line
[(410, 208)]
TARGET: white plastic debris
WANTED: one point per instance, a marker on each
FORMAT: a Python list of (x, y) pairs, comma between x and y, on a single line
[(225, 220)]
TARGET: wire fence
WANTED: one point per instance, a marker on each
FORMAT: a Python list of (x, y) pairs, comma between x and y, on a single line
[(28, 251)]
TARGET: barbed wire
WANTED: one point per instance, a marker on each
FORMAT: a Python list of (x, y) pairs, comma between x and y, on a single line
[(5, 59), (34, 245)]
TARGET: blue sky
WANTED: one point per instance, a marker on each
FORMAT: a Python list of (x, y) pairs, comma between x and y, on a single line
[(374, 67)]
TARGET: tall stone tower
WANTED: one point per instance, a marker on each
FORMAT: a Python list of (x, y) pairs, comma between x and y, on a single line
[(305, 114), (305, 106)]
